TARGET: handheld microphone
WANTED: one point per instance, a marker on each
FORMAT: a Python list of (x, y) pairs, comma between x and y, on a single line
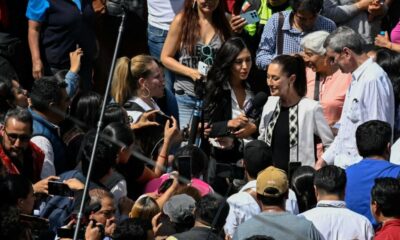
[(253, 108)]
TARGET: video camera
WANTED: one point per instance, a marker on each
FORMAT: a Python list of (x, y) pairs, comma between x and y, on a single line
[(117, 7)]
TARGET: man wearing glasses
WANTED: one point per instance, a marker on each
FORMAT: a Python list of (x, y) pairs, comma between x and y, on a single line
[(17, 153), (369, 97)]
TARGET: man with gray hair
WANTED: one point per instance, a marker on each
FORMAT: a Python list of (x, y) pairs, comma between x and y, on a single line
[(369, 97)]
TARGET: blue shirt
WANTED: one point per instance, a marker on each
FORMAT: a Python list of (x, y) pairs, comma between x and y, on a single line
[(37, 8), (291, 37), (360, 180)]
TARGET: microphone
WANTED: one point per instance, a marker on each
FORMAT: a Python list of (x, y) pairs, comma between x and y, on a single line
[(252, 110), (254, 107)]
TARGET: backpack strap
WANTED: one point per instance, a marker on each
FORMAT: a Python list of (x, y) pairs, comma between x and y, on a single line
[(279, 35), (132, 106)]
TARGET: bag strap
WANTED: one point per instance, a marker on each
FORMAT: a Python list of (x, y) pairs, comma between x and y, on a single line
[(279, 35), (316, 88)]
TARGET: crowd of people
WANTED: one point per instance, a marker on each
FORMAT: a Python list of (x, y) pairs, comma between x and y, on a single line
[(283, 128)]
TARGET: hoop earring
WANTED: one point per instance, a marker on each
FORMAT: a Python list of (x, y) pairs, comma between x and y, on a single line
[(147, 94)]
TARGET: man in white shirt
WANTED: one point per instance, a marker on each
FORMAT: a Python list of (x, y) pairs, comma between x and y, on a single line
[(331, 217), (369, 97), (243, 205)]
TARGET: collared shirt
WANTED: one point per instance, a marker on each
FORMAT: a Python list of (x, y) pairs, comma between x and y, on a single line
[(334, 221), (389, 231), (135, 115), (243, 206), (44, 144), (369, 97), (291, 37)]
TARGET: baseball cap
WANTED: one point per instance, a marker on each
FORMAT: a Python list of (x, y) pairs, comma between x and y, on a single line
[(179, 207), (272, 182)]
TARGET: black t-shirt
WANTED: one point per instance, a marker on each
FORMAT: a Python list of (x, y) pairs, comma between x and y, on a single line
[(280, 140)]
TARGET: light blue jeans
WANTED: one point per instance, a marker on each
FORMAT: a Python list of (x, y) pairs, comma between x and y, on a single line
[(186, 106)]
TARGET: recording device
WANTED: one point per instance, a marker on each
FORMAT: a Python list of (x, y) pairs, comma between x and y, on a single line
[(230, 170), (69, 232), (165, 185), (254, 107), (164, 116), (59, 189), (199, 89), (203, 68), (117, 7), (251, 17)]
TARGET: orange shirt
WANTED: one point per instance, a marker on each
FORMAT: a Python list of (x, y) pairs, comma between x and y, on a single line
[(332, 91)]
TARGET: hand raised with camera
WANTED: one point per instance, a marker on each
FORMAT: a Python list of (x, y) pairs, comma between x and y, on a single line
[(145, 120), (237, 23), (93, 232), (110, 227), (171, 132), (42, 186), (74, 184)]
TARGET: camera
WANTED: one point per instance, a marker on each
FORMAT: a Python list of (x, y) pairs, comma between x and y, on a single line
[(117, 7)]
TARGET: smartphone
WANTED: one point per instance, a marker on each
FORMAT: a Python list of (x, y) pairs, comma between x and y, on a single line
[(165, 185), (59, 189), (164, 116), (251, 17), (185, 167)]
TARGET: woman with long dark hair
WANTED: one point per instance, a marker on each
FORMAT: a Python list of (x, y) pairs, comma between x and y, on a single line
[(290, 120), (196, 33), (390, 62), (227, 94)]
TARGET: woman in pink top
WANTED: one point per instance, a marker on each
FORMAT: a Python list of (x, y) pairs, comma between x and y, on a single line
[(325, 82), (191, 163)]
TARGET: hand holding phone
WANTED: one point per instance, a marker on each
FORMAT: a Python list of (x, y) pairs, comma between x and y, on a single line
[(59, 189), (251, 17)]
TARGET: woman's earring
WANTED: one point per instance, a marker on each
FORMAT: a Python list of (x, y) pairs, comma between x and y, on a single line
[(194, 4)]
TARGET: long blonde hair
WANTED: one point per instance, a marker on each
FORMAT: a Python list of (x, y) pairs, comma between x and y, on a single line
[(127, 74)]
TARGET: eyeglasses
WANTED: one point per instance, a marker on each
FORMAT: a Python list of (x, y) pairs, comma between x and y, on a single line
[(206, 53), (13, 137)]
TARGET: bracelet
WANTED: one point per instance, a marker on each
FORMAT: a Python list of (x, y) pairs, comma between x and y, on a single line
[(162, 156), (390, 47)]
